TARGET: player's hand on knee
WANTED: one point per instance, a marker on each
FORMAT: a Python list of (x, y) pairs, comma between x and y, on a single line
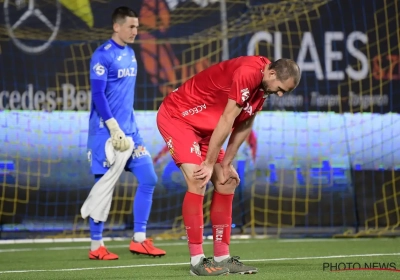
[(203, 172), (118, 138), (229, 173), (235, 175)]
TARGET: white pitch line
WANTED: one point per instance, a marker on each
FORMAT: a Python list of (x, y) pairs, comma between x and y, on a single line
[(304, 240), (186, 263), (325, 257), (108, 246)]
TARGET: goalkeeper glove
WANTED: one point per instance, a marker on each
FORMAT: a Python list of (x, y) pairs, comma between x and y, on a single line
[(118, 138)]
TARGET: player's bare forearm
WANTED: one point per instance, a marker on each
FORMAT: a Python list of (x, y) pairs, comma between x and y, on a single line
[(218, 138), (239, 135), (221, 132)]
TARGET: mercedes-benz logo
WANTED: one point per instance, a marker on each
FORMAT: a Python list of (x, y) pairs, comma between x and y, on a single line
[(32, 11)]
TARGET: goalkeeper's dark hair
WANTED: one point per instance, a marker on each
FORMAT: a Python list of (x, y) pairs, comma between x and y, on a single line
[(285, 69), (121, 13)]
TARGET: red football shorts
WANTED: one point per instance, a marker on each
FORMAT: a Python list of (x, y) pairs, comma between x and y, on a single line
[(184, 144)]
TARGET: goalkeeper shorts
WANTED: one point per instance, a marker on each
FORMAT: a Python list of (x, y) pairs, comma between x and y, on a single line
[(97, 155)]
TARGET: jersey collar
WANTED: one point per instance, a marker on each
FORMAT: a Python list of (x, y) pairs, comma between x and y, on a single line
[(115, 44)]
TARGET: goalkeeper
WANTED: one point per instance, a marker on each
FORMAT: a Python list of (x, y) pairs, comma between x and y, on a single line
[(113, 70)]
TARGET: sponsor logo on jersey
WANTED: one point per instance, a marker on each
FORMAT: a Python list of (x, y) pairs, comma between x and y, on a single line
[(89, 157), (170, 146), (195, 149), (106, 47), (194, 110), (106, 163), (140, 152), (126, 72), (99, 69), (245, 94), (248, 109)]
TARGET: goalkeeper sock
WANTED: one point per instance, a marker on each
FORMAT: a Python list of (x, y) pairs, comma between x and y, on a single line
[(139, 237), (96, 244), (141, 211), (221, 220), (96, 227), (96, 234), (192, 212)]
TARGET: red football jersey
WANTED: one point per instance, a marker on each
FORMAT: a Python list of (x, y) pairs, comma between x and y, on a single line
[(201, 100)]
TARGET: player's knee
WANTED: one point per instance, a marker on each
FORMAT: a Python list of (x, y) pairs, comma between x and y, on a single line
[(146, 175), (232, 184), (148, 189), (152, 178), (227, 188), (195, 186), (149, 178), (236, 183)]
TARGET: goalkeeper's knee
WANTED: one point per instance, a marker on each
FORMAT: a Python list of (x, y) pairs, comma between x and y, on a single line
[(146, 175)]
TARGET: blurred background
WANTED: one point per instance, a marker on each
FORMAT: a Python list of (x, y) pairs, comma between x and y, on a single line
[(321, 161)]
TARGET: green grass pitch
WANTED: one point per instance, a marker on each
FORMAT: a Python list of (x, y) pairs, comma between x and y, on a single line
[(275, 258)]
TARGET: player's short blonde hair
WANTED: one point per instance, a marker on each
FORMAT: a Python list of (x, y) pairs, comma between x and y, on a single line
[(285, 69)]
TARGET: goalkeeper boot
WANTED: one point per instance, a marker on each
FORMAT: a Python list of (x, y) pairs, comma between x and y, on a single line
[(102, 254), (206, 267), (236, 267), (146, 248)]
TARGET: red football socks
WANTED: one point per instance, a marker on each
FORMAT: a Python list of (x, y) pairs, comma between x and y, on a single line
[(221, 219), (192, 212)]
